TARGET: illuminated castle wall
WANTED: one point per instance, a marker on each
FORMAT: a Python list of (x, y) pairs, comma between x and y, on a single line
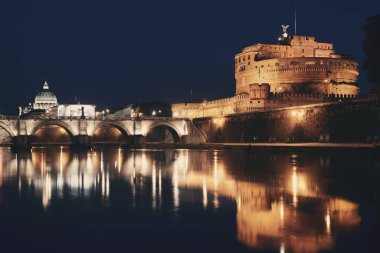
[(299, 65), (297, 71)]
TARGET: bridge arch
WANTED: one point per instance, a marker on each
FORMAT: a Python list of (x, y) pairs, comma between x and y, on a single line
[(163, 132), (7, 128), (52, 132), (58, 123), (110, 133), (5, 134)]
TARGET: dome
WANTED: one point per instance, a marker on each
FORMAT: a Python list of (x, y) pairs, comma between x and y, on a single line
[(45, 99)]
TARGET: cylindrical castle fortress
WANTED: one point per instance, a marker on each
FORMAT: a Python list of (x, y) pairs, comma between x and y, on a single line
[(296, 71), (298, 65)]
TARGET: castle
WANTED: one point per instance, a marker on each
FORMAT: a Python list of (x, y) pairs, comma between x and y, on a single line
[(296, 71)]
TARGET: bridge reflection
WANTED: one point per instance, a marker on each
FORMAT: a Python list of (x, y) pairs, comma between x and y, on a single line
[(284, 207)]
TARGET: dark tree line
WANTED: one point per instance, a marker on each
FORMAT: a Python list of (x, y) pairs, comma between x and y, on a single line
[(371, 46)]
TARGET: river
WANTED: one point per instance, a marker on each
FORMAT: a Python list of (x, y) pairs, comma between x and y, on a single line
[(113, 199)]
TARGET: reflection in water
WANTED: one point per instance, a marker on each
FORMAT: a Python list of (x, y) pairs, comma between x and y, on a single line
[(285, 206)]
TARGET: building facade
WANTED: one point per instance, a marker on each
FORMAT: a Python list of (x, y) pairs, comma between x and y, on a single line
[(76, 111)]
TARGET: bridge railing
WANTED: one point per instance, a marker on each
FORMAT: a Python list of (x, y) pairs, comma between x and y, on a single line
[(109, 118), (139, 118), (159, 118), (6, 117)]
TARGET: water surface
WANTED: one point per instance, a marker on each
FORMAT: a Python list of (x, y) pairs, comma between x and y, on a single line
[(112, 199)]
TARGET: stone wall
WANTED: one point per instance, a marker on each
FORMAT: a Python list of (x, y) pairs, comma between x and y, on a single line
[(334, 122), (258, 100)]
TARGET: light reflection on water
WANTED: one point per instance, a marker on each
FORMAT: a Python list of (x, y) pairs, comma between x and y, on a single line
[(281, 201)]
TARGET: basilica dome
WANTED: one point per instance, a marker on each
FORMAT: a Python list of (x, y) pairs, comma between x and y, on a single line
[(45, 99)]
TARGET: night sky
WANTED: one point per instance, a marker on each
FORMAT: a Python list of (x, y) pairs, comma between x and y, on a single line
[(117, 52)]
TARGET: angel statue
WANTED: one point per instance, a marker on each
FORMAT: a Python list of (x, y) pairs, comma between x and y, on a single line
[(284, 28)]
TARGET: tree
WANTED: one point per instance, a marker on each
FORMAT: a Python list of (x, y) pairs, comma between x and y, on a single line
[(371, 46)]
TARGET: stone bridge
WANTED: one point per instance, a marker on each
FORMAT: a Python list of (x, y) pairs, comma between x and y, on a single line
[(29, 131)]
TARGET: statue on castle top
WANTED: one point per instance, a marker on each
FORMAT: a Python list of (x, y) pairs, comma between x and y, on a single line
[(284, 30)]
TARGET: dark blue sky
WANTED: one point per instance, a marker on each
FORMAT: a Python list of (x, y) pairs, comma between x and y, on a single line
[(117, 52)]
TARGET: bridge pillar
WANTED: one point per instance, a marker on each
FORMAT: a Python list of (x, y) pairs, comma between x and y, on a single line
[(82, 141), (186, 139), (21, 142), (82, 127), (137, 139)]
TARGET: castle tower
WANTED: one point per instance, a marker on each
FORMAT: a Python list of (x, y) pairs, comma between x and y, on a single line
[(296, 64)]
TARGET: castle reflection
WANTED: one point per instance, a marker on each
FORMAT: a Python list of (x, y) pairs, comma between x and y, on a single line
[(281, 200)]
